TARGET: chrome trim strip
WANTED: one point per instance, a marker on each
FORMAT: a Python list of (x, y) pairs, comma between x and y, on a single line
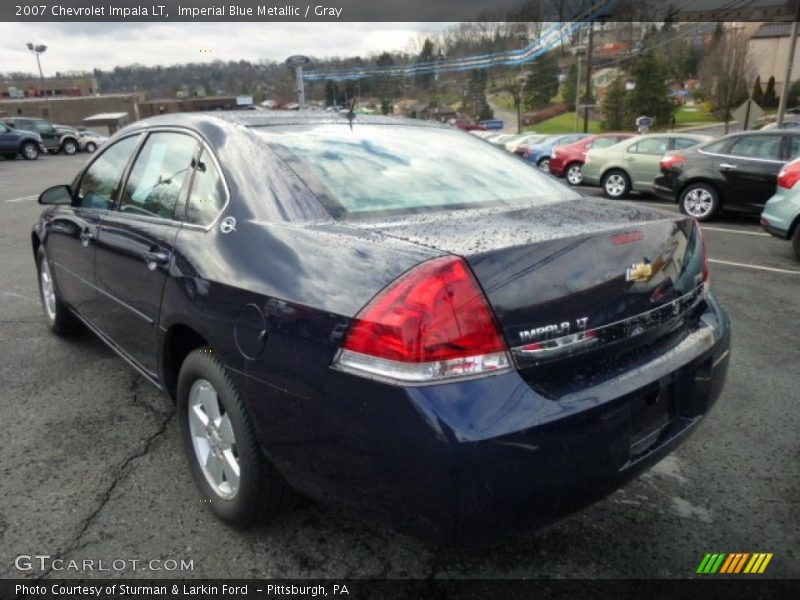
[(595, 337), (735, 156), (722, 357)]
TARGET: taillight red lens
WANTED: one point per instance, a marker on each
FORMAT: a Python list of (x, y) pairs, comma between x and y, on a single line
[(432, 323), (706, 270), (672, 160), (789, 175)]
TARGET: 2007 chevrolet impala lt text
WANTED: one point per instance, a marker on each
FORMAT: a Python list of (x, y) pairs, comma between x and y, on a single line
[(345, 308)]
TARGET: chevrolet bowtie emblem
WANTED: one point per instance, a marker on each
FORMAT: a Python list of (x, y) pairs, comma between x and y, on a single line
[(639, 272)]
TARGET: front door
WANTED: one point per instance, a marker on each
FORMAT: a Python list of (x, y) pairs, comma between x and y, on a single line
[(72, 231), (137, 240), (643, 160)]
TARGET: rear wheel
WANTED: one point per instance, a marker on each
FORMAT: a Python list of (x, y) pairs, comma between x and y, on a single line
[(59, 319), (574, 174), (616, 184), (29, 151), (225, 459), (796, 242), (699, 200), (69, 147), (91, 147), (544, 164)]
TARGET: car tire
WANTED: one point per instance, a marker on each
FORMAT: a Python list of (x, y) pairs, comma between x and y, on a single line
[(219, 439), (544, 164), (699, 201), (573, 173), (616, 184), (90, 147), (58, 317), (69, 147), (796, 242), (29, 151)]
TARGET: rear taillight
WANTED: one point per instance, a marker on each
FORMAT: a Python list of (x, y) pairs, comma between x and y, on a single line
[(432, 324), (789, 175), (672, 160)]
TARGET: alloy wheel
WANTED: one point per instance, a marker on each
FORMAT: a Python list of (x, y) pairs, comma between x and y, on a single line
[(544, 165), (698, 203), (29, 151), (615, 185), (213, 439), (574, 175), (48, 290)]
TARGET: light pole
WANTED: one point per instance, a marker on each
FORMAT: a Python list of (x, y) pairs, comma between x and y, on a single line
[(38, 49), (523, 41), (576, 51)]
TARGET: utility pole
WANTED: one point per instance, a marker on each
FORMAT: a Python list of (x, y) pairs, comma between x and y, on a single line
[(523, 40), (578, 94), (789, 65), (588, 78), (37, 50)]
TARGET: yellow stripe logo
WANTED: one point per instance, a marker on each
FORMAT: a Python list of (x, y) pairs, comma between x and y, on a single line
[(734, 563)]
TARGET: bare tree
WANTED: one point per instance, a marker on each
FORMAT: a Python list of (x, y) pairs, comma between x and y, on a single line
[(724, 73)]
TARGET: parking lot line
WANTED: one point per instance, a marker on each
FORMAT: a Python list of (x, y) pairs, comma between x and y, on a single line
[(726, 230), (22, 199), (758, 267)]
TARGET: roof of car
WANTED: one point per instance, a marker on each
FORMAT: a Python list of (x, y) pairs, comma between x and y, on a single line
[(279, 118)]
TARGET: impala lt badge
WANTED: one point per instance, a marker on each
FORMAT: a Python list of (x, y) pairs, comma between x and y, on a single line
[(552, 331)]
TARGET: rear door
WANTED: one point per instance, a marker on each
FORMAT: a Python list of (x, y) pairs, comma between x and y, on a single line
[(642, 161), (9, 141), (137, 239), (750, 170), (72, 230)]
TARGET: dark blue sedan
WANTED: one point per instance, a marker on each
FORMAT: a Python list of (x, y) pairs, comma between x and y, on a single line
[(345, 308)]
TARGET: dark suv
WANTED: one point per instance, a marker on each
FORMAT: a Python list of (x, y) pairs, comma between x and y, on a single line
[(16, 141), (737, 172), (54, 141)]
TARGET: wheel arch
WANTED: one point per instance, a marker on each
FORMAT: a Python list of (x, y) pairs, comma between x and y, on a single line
[(793, 227), (36, 243), (179, 340)]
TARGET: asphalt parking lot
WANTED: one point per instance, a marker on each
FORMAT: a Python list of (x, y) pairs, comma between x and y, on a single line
[(92, 467)]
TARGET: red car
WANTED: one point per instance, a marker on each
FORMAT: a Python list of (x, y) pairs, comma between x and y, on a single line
[(566, 161)]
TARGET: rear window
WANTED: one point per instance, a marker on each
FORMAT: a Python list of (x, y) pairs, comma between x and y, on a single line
[(399, 169)]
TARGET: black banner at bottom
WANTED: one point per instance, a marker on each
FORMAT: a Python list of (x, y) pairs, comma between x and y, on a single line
[(488, 589)]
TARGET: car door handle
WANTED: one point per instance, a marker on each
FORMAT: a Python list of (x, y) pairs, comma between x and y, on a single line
[(629, 158), (156, 257), (727, 166)]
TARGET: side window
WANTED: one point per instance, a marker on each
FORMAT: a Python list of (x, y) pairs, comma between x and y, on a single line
[(208, 193), (716, 147), (44, 127), (794, 146), (26, 124), (681, 143), (603, 142), (757, 146), (4, 128), (655, 146), (159, 174), (99, 184)]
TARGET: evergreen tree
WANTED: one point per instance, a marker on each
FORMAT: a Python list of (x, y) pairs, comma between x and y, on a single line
[(614, 107), (649, 97), (542, 83), (568, 87), (425, 80), (770, 99), (758, 93)]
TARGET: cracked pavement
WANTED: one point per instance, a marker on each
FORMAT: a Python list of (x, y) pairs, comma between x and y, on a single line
[(92, 466)]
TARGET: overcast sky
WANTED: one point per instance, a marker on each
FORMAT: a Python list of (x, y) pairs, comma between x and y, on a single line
[(85, 46)]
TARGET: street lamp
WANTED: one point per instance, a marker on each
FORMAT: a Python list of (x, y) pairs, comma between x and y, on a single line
[(37, 50), (576, 52), (521, 78)]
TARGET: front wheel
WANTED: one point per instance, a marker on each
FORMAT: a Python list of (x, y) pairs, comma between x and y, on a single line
[(699, 200), (242, 488), (616, 184), (29, 151), (59, 319), (574, 174), (91, 147)]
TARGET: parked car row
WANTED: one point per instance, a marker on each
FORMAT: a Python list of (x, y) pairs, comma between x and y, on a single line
[(29, 137), (747, 172)]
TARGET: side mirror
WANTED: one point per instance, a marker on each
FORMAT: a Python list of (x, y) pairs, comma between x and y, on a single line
[(58, 194)]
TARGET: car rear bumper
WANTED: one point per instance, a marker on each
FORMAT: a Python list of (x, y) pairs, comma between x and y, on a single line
[(780, 213), (663, 189), (463, 460), (556, 166)]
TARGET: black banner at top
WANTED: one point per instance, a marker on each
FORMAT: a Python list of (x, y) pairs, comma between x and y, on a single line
[(394, 10)]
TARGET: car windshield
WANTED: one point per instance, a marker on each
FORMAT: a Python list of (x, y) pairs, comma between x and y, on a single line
[(398, 169)]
